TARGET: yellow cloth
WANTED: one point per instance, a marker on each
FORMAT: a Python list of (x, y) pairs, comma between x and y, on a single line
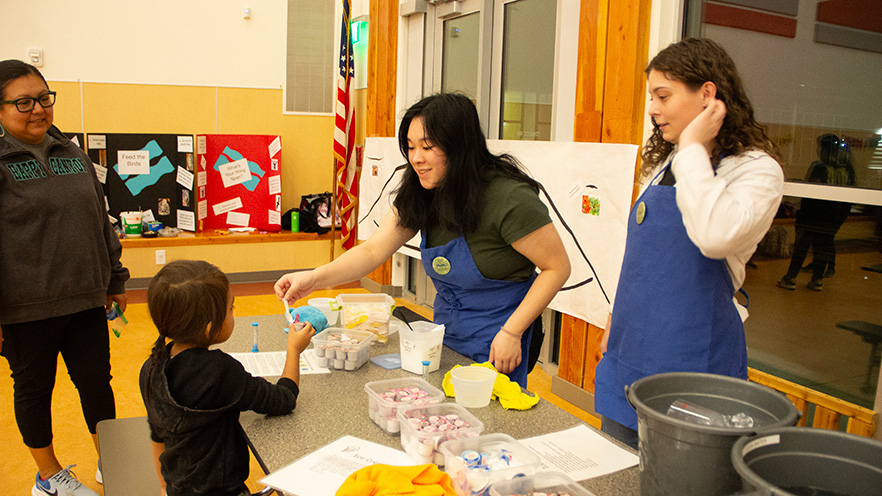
[(388, 480), (505, 390)]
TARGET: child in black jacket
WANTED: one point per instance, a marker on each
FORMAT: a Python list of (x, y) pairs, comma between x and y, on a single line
[(194, 395)]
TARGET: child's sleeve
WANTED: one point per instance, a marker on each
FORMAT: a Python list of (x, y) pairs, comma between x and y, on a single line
[(261, 396)]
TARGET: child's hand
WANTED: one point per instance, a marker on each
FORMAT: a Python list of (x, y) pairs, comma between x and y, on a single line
[(299, 340)]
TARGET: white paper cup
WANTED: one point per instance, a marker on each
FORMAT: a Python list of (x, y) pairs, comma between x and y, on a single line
[(472, 386)]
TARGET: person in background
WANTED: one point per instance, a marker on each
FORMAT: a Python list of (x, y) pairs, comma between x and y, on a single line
[(713, 188), (818, 221), (60, 272), (484, 233), (194, 395)]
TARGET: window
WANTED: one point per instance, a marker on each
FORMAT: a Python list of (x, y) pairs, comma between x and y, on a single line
[(311, 61), (812, 70)]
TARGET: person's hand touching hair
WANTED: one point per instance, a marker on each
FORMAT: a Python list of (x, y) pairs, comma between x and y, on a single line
[(704, 128)]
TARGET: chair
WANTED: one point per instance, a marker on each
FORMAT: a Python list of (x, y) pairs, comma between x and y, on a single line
[(127, 458), (828, 410)]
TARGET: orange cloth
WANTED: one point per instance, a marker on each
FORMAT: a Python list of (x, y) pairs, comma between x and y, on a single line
[(388, 480)]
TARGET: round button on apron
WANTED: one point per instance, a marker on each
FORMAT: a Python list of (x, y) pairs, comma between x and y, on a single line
[(441, 265), (641, 212)]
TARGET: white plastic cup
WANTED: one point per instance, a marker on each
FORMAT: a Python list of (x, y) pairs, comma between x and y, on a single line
[(325, 305), (422, 341), (473, 386)]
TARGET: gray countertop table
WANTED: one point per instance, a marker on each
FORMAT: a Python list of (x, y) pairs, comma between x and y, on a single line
[(334, 405)]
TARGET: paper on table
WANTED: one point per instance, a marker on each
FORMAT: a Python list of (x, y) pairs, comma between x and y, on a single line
[(321, 472), (271, 363), (580, 453)]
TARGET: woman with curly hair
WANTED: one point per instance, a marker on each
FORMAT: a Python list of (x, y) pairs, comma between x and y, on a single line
[(713, 188)]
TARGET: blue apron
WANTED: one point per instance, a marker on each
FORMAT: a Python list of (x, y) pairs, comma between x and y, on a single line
[(673, 309), (472, 307)]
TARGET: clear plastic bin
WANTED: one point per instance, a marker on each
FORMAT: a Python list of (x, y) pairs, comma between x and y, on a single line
[(541, 483), (475, 463), (367, 312), (421, 443), (342, 349), (385, 398)]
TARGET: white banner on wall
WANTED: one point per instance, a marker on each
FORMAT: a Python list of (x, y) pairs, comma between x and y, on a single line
[(588, 189)]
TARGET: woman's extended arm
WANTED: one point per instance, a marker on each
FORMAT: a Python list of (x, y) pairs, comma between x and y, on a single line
[(545, 249), (352, 265)]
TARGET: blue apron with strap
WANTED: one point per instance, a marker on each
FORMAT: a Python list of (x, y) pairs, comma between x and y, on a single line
[(673, 309), (472, 307)]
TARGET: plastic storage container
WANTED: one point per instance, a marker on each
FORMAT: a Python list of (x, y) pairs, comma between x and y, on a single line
[(385, 398), (541, 483), (367, 312), (343, 349), (475, 463), (421, 342), (420, 438)]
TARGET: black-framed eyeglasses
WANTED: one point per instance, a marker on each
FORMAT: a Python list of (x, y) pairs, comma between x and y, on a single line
[(27, 104)]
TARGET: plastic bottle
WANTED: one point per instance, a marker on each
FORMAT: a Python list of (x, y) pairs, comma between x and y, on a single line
[(117, 319)]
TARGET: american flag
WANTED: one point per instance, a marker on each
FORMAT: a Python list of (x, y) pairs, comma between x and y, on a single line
[(347, 163)]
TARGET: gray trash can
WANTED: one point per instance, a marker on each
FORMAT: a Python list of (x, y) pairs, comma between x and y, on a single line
[(798, 461), (681, 458)]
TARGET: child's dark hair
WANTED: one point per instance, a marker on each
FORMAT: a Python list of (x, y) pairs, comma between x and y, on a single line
[(694, 61), (184, 298), (451, 122)]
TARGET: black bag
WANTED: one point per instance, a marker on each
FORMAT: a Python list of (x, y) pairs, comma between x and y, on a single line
[(315, 213)]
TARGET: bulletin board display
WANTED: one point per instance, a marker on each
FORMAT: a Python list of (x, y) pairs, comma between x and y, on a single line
[(78, 139), (239, 182), (151, 173)]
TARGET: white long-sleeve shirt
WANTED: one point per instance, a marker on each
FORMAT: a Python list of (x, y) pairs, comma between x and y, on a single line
[(726, 214)]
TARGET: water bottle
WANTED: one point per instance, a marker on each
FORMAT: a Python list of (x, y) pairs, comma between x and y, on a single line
[(117, 319)]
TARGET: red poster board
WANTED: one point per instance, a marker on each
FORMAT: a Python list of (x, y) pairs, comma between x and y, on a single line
[(239, 181)]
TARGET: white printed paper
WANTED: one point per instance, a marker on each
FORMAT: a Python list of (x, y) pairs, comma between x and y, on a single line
[(227, 206), (201, 178), (274, 217), (185, 144), (271, 363), (321, 472), (186, 220), (238, 219), (275, 146), (75, 140), (147, 216), (202, 162), (185, 178), (133, 162), (200, 145), (234, 173), (275, 185), (101, 172), (580, 453), (97, 142), (202, 208)]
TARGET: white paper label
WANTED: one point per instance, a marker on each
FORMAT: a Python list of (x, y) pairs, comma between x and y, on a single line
[(185, 178), (186, 220), (275, 146), (759, 443), (202, 207), (201, 178), (275, 185), (133, 162), (185, 144), (238, 219), (97, 142), (75, 140), (234, 173), (227, 206), (275, 218), (101, 172), (200, 145)]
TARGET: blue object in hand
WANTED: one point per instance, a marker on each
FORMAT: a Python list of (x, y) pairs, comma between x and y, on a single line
[(312, 315)]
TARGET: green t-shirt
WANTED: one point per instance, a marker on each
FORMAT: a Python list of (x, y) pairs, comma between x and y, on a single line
[(511, 211)]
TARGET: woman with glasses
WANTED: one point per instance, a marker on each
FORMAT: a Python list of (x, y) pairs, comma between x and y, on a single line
[(59, 270)]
